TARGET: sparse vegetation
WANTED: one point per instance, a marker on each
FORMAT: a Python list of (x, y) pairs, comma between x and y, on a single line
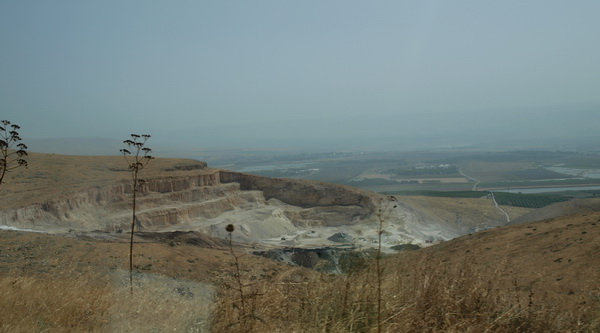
[(87, 302), (425, 291), (422, 295), (241, 308), (443, 288), (140, 158)]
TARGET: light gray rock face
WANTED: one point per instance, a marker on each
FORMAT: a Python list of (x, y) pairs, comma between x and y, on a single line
[(261, 208)]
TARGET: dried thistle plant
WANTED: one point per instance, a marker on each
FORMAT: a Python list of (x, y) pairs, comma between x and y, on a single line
[(9, 140), (137, 157), (230, 228)]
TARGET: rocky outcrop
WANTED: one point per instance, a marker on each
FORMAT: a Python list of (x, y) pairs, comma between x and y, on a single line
[(190, 200), (301, 193), (320, 203), (283, 211), (334, 260), (106, 207)]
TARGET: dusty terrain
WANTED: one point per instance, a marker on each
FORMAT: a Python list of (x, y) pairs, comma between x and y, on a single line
[(61, 193), (550, 264), (79, 207), (175, 281), (534, 277)]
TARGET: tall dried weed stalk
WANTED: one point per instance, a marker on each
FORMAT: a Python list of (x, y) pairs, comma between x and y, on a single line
[(137, 157), (383, 213), (238, 277), (244, 304), (12, 150)]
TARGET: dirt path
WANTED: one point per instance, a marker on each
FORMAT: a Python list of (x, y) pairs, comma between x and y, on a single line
[(493, 198), (500, 209), (470, 179)]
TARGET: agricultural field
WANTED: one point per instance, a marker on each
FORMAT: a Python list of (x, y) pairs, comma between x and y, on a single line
[(452, 170), (502, 198), (528, 200)]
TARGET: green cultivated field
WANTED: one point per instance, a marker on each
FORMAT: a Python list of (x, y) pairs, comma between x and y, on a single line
[(502, 198), (528, 200), (394, 172), (544, 183), (445, 194)]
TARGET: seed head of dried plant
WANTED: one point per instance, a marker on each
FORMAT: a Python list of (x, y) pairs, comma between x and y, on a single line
[(230, 228), (12, 150)]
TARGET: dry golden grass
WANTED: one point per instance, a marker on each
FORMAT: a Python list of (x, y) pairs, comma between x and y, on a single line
[(464, 212), (53, 283), (49, 175), (88, 302), (36, 304), (448, 300), (537, 277), (93, 303), (540, 277)]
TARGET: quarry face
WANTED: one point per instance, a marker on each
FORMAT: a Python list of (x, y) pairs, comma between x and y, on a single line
[(266, 211)]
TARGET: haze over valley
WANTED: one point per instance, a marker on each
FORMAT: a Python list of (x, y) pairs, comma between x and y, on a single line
[(315, 166)]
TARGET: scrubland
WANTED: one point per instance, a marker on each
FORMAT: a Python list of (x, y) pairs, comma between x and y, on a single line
[(535, 277), (89, 302), (540, 277)]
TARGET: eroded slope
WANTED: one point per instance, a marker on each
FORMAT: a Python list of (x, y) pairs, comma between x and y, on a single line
[(94, 193)]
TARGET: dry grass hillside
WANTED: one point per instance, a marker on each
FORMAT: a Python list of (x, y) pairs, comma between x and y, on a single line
[(541, 276), (464, 214), (79, 282), (536, 277)]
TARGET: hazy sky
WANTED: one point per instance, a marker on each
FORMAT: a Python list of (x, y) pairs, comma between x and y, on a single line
[(291, 73)]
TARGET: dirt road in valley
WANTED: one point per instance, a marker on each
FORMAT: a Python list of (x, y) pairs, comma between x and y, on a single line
[(500, 209), (470, 179), (493, 197)]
